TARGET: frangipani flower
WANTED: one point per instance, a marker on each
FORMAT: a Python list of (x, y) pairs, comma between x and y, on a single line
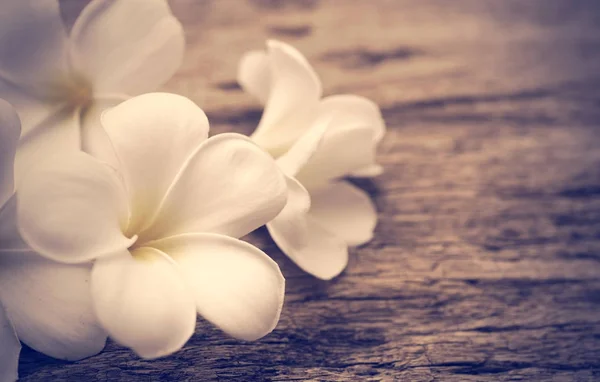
[(10, 127), (316, 142), (161, 223), (60, 83)]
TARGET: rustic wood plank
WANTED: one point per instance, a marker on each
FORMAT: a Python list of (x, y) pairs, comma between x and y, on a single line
[(486, 260)]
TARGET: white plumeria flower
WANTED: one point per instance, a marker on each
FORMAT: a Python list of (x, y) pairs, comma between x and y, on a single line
[(316, 142), (162, 223), (59, 83), (10, 128)]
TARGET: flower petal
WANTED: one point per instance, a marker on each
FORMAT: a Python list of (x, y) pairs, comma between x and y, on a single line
[(339, 115), (344, 210), (229, 186), (10, 238), (153, 135), (10, 129), (131, 46), (350, 112), (143, 303), (31, 109), (10, 349), (236, 286), (340, 152), (254, 74), (73, 209), (58, 133), (368, 171), (353, 111), (50, 305), (304, 148), (304, 240), (94, 139), (32, 43), (293, 99)]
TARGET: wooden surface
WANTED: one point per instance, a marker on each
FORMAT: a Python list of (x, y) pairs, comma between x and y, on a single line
[(486, 261)]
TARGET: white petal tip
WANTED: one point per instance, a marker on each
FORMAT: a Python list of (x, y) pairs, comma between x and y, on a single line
[(272, 43), (368, 172), (329, 273), (360, 242), (156, 354)]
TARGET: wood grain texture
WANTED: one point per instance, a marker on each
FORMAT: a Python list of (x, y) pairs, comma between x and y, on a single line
[(486, 261)]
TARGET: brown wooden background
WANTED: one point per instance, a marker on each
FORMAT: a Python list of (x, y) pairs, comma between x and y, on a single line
[(486, 260)]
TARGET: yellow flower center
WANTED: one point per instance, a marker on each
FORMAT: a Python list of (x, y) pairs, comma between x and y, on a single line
[(75, 90)]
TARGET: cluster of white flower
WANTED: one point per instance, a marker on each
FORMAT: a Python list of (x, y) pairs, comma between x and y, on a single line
[(120, 217)]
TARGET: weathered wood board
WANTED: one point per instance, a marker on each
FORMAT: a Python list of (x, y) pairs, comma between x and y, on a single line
[(486, 260)]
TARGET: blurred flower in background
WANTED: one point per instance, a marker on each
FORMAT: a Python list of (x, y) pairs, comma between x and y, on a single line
[(60, 83)]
